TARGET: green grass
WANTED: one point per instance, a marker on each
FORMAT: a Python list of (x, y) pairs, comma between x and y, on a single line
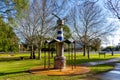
[(12, 68), (40, 77), (101, 68)]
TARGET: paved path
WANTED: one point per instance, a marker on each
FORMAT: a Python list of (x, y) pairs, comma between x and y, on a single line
[(111, 75), (101, 62)]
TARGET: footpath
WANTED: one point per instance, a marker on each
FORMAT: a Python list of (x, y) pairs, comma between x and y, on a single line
[(101, 62)]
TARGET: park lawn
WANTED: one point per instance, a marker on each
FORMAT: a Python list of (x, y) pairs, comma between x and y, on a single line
[(101, 68), (12, 68)]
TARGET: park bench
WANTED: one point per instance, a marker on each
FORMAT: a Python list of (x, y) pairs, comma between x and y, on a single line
[(102, 53)]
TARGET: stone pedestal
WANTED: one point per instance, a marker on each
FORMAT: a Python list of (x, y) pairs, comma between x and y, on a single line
[(59, 62)]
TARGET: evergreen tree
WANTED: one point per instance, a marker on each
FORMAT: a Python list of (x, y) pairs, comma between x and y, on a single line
[(8, 39)]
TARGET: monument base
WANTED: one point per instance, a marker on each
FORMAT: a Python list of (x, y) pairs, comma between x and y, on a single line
[(59, 62)]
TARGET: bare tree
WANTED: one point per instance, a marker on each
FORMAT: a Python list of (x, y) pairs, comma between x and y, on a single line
[(114, 7), (37, 20), (96, 44), (44, 10), (89, 23), (26, 29)]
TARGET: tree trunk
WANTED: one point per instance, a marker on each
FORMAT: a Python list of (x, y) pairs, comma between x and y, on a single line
[(88, 52), (39, 50), (84, 50), (39, 53), (112, 53), (32, 55)]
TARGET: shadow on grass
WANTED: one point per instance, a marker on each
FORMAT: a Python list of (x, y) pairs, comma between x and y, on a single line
[(13, 59), (3, 74)]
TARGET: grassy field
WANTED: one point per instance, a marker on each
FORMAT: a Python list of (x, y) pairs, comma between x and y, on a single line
[(13, 68)]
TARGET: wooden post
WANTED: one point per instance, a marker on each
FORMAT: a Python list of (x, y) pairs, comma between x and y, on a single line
[(69, 54), (44, 55), (74, 54), (49, 57)]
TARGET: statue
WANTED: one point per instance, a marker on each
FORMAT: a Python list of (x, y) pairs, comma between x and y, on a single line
[(59, 60)]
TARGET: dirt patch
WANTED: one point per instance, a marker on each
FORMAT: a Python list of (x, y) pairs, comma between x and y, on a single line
[(55, 72)]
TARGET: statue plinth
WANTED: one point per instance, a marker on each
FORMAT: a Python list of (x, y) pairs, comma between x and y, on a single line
[(59, 62), (59, 59)]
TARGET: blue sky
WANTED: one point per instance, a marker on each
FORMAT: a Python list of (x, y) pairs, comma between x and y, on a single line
[(114, 39)]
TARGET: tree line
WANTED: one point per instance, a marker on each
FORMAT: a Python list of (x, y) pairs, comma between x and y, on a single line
[(33, 22)]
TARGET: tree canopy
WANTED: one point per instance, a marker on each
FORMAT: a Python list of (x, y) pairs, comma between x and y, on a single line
[(8, 39), (34, 20), (12, 8)]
